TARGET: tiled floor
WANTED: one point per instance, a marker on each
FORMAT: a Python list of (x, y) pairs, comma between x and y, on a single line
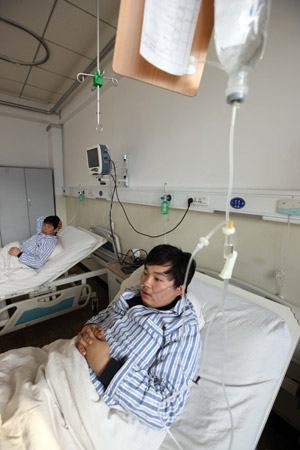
[(277, 434)]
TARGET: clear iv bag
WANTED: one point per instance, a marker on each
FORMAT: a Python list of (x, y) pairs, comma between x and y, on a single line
[(240, 38)]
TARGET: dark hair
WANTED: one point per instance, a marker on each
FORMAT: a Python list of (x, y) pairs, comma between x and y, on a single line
[(52, 220), (176, 259)]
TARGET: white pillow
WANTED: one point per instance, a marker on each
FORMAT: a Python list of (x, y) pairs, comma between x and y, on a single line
[(76, 244), (57, 250), (258, 343)]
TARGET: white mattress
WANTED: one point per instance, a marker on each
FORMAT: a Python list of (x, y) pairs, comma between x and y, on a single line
[(77, 243)]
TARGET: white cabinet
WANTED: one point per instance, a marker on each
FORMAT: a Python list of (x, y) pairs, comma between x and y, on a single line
[(25, 194)]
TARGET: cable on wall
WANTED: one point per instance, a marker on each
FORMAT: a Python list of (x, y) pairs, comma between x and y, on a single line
[(115, 190)]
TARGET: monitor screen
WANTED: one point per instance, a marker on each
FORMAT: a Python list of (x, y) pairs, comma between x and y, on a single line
[(92, 155)]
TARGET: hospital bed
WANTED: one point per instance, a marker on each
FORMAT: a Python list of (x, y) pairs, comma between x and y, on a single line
[(49, 291), (62, 409)]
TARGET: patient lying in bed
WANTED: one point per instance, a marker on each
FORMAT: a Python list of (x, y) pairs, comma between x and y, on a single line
[(48, 402), (141, 357), (18, 260), (52, 399)]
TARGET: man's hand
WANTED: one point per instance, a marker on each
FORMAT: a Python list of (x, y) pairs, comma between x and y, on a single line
[(14, 251), (97, 355), (87, 336)]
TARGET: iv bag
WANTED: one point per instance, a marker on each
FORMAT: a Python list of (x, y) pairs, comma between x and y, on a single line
[(240, 38)]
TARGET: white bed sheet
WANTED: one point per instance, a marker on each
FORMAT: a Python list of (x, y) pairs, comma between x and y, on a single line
[(49, 389), (77, 243)]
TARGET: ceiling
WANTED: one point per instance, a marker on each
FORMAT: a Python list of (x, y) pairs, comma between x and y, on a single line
[(69, 29)]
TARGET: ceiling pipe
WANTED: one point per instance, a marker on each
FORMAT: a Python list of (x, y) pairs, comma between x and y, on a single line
[(54, 110), (28, 108)]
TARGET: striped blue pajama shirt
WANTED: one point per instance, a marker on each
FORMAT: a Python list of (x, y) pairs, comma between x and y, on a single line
[(150, 383), (37, 249)]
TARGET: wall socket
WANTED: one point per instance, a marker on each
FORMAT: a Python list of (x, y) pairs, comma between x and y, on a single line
[(199, 200), (289, 206)]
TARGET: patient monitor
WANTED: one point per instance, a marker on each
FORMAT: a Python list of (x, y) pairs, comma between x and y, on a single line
[(98, 159)]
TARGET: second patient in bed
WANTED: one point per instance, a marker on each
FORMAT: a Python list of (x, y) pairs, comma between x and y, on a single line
[(35, 251), (143, 349)]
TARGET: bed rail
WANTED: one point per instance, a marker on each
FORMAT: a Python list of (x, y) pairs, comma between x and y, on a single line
[(33, 310)]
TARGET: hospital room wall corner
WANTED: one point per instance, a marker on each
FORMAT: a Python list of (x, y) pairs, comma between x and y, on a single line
[(260, 244)]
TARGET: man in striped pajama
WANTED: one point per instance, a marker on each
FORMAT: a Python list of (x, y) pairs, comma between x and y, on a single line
[(143, 350), (35, 251)]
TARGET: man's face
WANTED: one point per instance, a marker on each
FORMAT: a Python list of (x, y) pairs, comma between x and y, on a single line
[(157, 288), (49, 229)]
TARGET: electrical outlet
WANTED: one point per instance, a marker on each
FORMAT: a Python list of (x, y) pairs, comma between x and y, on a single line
[(289, 206), (199, 200)]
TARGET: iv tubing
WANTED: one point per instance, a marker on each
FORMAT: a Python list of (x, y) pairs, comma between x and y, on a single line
[(230, 181), (209, 235), (280, 275), (70, 221), (225, 292), (204, 242), (286, 244)]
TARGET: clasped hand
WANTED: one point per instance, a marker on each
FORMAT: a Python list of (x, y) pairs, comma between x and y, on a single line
[(14, 251), (92, 344)]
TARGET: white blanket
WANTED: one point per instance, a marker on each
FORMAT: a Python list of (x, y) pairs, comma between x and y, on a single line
[(11, 268), (48, 402)]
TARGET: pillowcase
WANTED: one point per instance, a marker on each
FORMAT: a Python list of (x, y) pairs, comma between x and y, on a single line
[(58, 249)]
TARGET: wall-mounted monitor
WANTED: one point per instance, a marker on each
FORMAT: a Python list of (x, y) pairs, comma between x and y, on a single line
[(98, 160)]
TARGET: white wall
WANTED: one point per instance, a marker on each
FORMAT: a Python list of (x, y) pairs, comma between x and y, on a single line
[(23, 141), (184, 142)]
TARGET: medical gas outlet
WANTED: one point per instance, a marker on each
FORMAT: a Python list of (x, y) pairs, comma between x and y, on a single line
[(81, 195), (229, 253), (164, 206)]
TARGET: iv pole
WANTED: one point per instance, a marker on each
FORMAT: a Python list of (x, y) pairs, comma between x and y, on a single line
[(97, 75)]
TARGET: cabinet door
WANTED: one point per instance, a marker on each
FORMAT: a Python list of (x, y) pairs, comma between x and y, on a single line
[(39, 188), (14, 223)]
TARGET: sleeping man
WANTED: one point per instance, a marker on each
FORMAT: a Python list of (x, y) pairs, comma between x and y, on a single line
[(143, 349), (35, 251)]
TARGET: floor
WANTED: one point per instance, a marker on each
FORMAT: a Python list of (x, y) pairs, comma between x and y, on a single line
[(277, 434)]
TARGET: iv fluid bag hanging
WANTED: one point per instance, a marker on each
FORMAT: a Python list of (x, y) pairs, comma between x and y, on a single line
[(240, 37)]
